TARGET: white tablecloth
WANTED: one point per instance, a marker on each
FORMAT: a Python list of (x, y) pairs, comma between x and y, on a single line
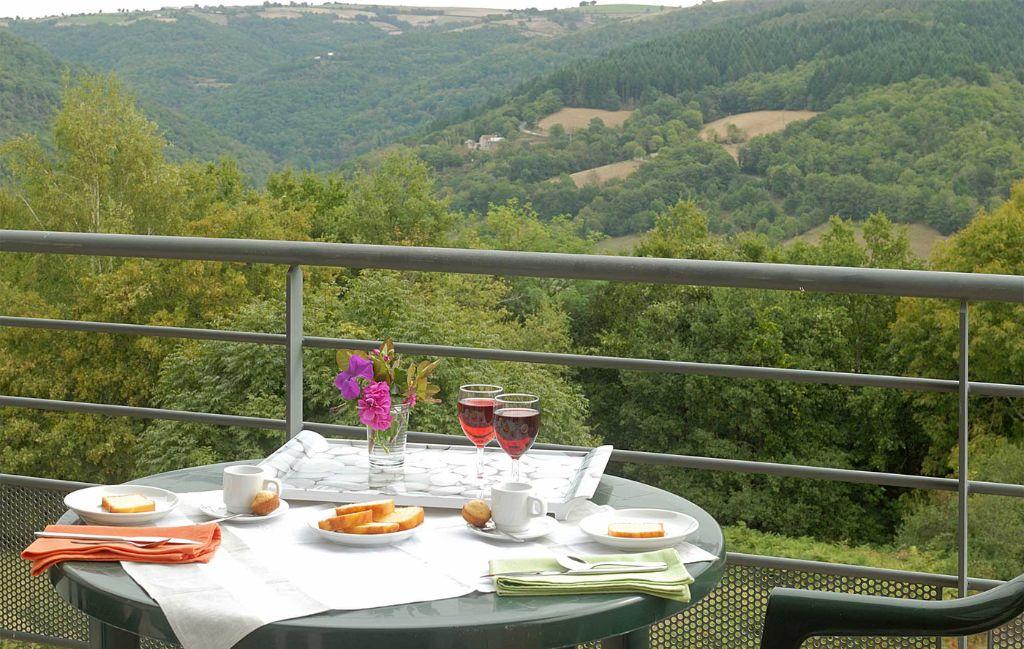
[(279, 569)]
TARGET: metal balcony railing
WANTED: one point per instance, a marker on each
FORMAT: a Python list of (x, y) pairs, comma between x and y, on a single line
[(749, 577)]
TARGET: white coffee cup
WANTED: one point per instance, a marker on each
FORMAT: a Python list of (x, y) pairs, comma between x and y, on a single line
[(513, 506), (242, 483)]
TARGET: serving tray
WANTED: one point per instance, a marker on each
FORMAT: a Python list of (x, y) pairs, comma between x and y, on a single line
[(316, 468)]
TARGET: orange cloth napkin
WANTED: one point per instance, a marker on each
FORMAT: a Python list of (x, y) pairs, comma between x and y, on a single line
[(44, 553)]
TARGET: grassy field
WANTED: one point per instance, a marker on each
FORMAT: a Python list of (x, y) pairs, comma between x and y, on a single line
[(619, 9), (617, 245), (576, 118), (923, 238), (604, 173), (759, 122)]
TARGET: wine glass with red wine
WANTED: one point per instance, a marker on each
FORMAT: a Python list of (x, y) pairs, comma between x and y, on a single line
[(476, 416), (516, 424)]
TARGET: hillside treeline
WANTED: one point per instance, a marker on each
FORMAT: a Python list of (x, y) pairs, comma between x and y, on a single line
[(850, 46)]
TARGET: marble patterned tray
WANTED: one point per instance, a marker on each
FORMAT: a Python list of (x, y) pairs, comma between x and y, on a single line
[(313, 467)]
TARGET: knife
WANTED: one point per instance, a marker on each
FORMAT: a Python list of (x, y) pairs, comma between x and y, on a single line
[(110, 537), (592, 571)]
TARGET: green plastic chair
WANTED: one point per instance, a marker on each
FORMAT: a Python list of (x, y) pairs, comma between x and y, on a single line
[(796, 615)]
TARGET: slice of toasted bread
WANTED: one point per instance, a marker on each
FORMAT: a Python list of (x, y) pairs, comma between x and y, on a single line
[(374, 528), (127, 504), (636, 530), (345, 522), (406, 517), (380, 508)]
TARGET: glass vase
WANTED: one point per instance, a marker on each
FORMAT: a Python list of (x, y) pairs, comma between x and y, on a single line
[(386, 448)]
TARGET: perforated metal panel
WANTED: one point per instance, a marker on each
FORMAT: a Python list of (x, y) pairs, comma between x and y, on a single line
[(30, 604), (733, 614), (1010, 636)]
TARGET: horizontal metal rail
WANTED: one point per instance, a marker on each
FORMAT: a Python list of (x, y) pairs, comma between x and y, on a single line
[(851, 379), (86, 408), (792, 277), (852, 476), (861, 572), (49, 484), (119, 329)]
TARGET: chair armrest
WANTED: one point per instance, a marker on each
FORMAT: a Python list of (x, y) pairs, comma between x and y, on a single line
[(795, 615)]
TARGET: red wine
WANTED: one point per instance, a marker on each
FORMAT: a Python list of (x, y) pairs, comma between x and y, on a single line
[(516, 429), (476, 415)]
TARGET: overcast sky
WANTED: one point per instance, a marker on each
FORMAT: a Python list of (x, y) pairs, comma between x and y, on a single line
[(38, 8)]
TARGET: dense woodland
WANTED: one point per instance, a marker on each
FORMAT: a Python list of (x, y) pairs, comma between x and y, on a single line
[(921, 121), (922, 118), (253, 79)]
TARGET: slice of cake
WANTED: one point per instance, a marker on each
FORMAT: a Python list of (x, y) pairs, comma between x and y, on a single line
[(636, 530), (127, 504), (374, 528), (406, 517), (380, 508), (346, 522)]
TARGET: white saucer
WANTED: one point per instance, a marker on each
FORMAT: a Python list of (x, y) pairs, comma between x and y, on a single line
[(218, 510), (539, 526), (354, 539), (677, 527), (87, 504)]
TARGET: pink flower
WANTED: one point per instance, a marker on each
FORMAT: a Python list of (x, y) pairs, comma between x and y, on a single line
[(411, 400), (375, 406)]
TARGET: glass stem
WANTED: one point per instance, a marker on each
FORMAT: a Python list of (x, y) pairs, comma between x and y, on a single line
[(515, 470), (479, 462)]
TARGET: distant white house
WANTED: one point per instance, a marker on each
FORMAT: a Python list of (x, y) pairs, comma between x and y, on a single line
[(484, 143)]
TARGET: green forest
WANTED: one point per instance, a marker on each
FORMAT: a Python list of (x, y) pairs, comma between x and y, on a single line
[(350, 125), (249, 76)]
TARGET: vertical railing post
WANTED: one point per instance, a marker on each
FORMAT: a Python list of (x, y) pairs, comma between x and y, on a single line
[(962, 477), (293, 336)]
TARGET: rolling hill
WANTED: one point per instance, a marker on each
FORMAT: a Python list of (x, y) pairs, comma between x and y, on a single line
[(315, 86), (30, 86), (919, 110)]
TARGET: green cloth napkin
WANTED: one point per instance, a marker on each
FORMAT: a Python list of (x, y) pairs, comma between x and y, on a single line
[(671, 583)]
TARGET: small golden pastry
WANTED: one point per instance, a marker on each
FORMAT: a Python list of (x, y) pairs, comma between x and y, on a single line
[(265, 502), (476, 512), (127, 504)]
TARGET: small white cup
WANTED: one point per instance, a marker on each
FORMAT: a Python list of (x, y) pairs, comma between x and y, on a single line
[(513, 506), (242, 483)]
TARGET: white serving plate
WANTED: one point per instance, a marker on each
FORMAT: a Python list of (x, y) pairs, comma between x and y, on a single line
[(87, 504), (677, 528), (219, 510), (363, 540)]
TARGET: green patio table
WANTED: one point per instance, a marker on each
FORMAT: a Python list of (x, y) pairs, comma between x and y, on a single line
[(120, 611)]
